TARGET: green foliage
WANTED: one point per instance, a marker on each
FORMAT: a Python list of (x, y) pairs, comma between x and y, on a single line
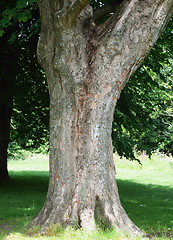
[(19, 10), (20, 14), (1, 32), (30, 119), (143, 115), (29, 123)]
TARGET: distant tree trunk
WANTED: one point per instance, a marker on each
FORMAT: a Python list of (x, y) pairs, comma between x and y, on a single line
[(87, 66), (8, 72), (6, 103)]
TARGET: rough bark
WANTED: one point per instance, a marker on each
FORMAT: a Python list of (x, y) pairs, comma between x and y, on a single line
[(87, 66)]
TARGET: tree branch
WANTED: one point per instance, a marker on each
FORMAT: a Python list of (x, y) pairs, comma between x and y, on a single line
[(145, 16), (129, 34), (76, 9)]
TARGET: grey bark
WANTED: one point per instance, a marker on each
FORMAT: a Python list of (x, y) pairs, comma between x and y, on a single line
[(87, 66)]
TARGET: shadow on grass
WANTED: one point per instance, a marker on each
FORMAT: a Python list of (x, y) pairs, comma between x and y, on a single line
[(24, 195), (150, 207), (21, 199)]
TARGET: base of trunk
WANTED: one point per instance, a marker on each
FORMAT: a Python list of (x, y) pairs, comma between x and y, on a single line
[(87, 222), (89, 213)]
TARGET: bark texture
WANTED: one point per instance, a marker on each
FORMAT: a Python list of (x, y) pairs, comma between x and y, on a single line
[(87, 66)]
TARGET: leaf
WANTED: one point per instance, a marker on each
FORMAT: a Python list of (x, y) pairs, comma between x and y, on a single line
[(9, 13), (1, 33), (30, 2), (24, 16), (24, 3), (5, 22), (21, 4)]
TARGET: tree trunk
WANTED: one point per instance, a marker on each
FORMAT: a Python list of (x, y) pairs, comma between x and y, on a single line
[(86, 68), (8, 71), (6, 102), (82, 173)]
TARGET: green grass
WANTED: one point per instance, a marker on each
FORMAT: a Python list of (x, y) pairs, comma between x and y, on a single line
[(146, 193)]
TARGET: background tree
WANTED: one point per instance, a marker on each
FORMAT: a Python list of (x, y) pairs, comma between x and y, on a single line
[(20, 78), (6, 103), (8, 64)]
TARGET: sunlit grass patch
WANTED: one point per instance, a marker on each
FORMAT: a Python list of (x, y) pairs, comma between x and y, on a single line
[(72, 234), (158, 170)]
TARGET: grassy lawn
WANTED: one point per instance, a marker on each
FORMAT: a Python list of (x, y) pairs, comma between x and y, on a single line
[(146, 193)]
